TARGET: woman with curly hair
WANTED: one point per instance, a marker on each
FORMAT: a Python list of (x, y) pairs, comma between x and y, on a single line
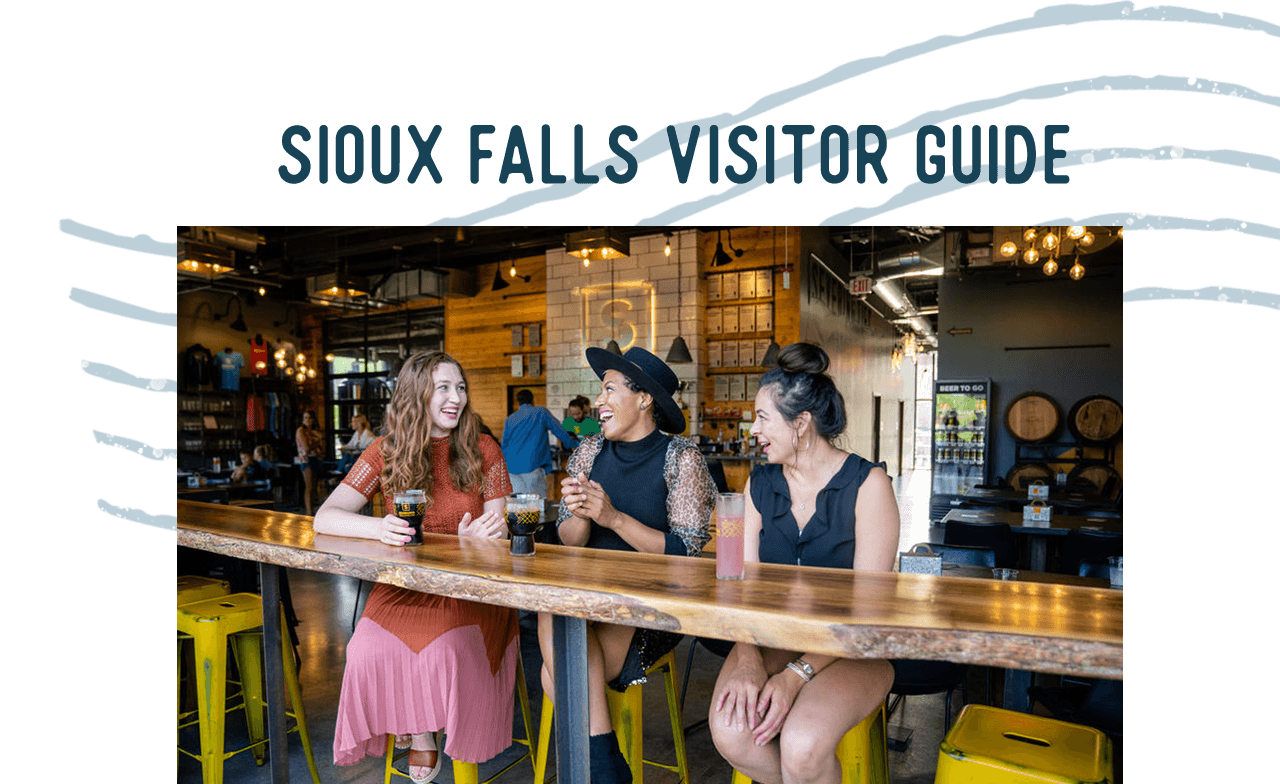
[(420, 664)]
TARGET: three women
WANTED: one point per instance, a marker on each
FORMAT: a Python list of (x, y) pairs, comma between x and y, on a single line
[(776, 715)]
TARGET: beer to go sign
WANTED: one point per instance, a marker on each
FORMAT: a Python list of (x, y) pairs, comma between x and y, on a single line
[(860, 286)]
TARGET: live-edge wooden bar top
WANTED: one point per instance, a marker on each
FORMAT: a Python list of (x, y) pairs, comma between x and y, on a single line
[(1034, 626)]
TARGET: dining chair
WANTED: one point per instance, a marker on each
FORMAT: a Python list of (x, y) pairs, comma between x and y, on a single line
[(916, 677), (964, 554), (1079, 545), (1095, 567), (997, 536)]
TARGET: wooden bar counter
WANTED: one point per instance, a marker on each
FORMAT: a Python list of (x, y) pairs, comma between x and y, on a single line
[(1042, 627)]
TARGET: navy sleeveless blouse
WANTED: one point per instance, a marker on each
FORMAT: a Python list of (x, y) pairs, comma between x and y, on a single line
[(828, 537)]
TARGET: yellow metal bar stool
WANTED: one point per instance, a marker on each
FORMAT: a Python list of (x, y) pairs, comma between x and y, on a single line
[(863, 753), (192, 588), (469, 772), (212, 624), (627, 716), (997, 746)]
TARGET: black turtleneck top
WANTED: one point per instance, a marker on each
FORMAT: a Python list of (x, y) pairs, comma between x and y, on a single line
[(631, 472)]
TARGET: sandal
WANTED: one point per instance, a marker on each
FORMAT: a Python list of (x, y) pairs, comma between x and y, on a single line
[(403, 741), (422, 774)]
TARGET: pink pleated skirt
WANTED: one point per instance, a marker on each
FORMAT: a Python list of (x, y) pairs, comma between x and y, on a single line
[(459, 676)]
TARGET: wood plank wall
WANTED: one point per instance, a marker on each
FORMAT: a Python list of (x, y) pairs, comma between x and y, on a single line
[(478, 334)]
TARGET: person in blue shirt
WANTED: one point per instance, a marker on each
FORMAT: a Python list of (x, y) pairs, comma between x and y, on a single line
[(525, 447)]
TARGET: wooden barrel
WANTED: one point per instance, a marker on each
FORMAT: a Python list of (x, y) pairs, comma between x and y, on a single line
[(1095, 420), (1102, 476), (1024, 474), (1033, 416)]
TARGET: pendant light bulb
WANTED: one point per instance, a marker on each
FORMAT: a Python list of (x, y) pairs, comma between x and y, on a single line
[(1076, 271), (1051, 267)]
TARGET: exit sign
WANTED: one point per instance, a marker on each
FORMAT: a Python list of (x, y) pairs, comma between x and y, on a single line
[(860, 286)]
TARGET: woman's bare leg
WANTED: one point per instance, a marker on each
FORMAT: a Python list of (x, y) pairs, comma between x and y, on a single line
[(607, 646), (840, 696)]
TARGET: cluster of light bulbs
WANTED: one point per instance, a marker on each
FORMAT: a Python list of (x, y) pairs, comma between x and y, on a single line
[(909, 348), (299, 372), (1050, 244)]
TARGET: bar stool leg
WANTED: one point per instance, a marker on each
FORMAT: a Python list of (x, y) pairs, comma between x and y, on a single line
[(626, 712), (211, 670), (677, 723), (544, 741), (248, 650), (295, 695), (465, 772)]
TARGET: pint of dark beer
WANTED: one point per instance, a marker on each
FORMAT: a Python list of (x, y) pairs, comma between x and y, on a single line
[(410, 506)]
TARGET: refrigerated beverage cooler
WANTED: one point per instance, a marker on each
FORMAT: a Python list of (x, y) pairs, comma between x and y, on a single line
[(961, 440)]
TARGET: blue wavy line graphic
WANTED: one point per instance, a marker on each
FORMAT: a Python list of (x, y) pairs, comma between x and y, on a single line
[(919, 191), (141, 243), (118, 376), (118, 308), (137, 447), (138, 516), (1052, 16), (1206, 294)]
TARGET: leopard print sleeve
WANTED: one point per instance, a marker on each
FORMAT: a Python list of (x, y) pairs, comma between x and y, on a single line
[(691, 495), (581, 462)]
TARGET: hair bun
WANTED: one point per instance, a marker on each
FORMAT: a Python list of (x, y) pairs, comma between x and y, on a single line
[(803, 358)]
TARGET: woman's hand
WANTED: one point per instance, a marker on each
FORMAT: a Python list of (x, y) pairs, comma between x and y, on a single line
[(774, 703), (489, 525), (571, 496), (739, 692), (394, 531), (588, 500)]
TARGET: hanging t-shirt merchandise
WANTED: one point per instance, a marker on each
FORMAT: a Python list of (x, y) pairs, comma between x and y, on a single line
[(197, 366), (258, 362), (229, 364)]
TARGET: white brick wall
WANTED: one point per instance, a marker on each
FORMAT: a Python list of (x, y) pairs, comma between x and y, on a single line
[(567, 371)]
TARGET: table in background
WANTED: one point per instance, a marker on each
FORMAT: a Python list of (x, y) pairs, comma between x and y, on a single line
[(1063, 629), (1059, 498), (1039, 533)]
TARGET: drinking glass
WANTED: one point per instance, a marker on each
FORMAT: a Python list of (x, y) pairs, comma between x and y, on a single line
[(1005, 574), (411, 506), (524, 519), (730, 509)]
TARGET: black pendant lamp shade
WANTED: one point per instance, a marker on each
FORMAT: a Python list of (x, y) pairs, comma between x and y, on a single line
[(499, 282), (238, 325), (771, 355), (679, 352)]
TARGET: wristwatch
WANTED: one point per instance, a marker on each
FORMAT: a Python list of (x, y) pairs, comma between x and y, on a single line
[(802, 668)]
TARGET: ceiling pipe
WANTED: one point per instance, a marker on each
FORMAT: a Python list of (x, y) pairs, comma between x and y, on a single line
[(925, 259)]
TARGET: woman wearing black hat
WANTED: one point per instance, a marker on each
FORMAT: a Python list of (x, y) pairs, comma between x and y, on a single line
[(632, 487)]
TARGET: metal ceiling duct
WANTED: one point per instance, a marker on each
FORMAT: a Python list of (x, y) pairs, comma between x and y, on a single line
[(925, 259)]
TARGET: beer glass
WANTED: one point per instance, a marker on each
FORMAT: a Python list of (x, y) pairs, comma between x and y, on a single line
[(411, 506), (730, 509), (524, 519)]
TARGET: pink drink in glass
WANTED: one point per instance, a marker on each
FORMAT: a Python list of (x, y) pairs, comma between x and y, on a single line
[(730, 509)]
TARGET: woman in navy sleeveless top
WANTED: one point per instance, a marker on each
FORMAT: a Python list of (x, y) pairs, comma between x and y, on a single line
[(778, 715)]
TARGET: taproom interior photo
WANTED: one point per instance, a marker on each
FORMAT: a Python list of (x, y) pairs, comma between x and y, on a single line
[(973, 375)]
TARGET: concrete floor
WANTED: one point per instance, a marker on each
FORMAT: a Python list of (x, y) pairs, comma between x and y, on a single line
[(325, 605)]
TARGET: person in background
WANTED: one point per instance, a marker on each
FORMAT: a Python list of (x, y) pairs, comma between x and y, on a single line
[(419, 664), (310, 441), (777, 715), (361, 437), (264, 456), (578, 422), (524, 444), (634, 488), (248, 470)]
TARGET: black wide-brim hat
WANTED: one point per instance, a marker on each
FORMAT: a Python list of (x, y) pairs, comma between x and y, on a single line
[(650, 374)]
